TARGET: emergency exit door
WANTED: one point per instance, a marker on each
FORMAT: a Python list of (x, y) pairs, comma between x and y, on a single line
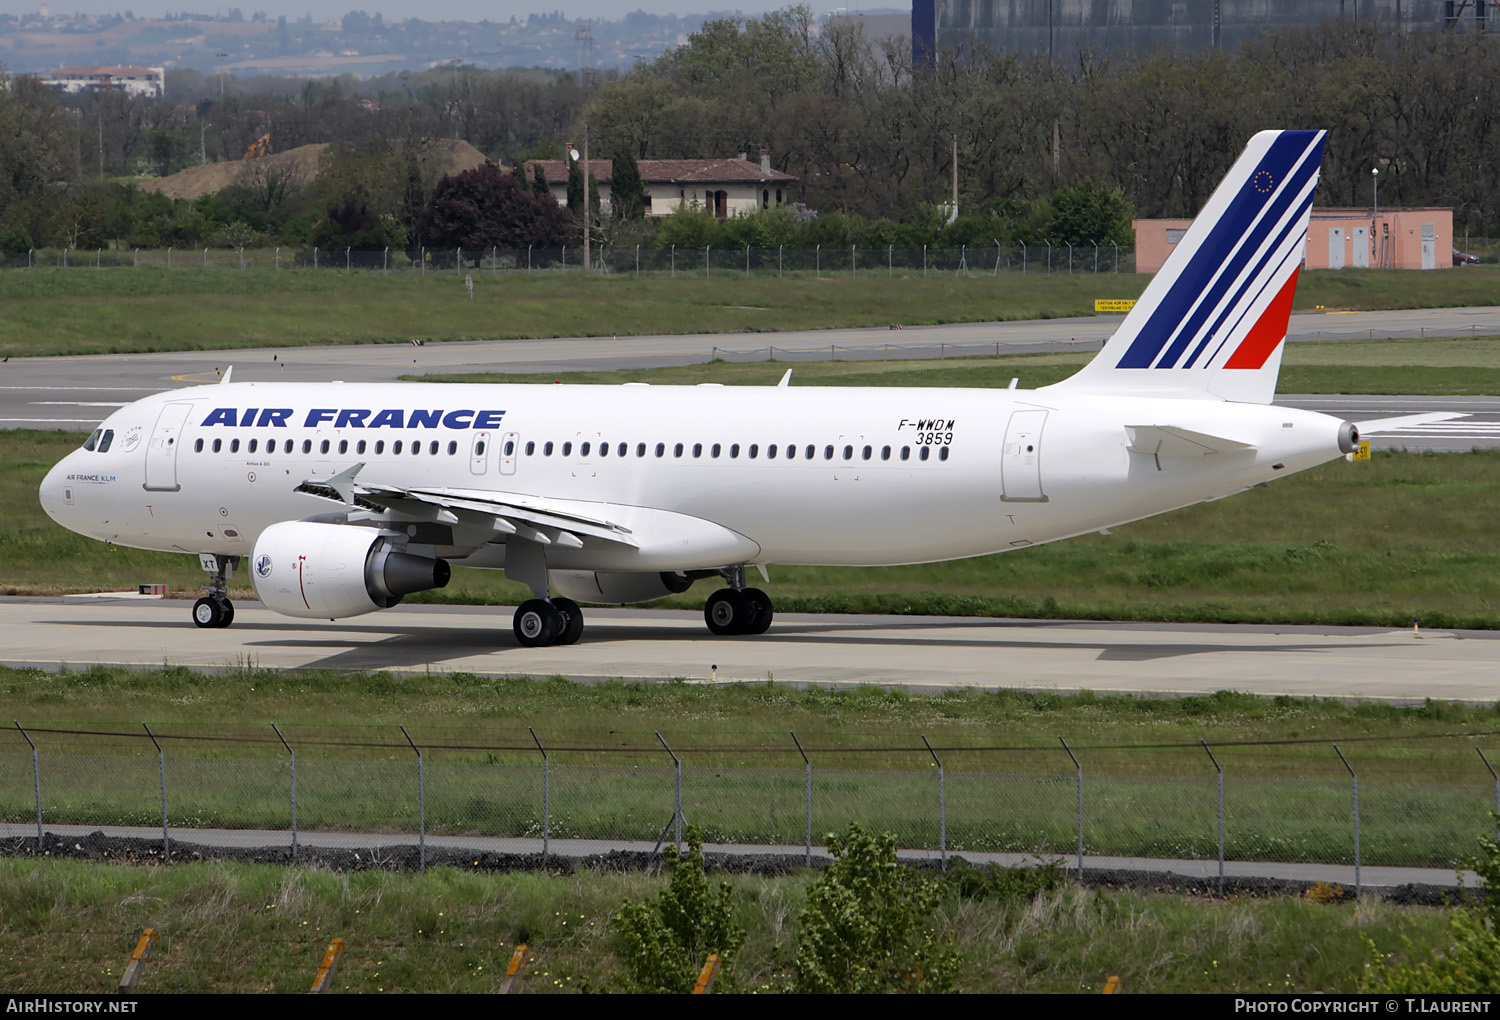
[(1021, 458)]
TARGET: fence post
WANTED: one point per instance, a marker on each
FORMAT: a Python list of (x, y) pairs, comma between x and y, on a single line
[(677, 803), (32, 251), (242, 256), (1079, 769), (807, 803), (1049, 257), (135, 265), (1482, 758), (1220, 771), (315, 256), (853, 261), (779, 249), (422, 258), (65, 256), (169, 256), (421, 805), (674, 261), (161, 768), (942, 806), (890, 261), (747, 261), (706, 249), (1070, 256), (99, 258), (528, 260), (1117, 258), (385, 261), (818, 262), (293, 755), (1096, 257), (36, 781), (278, 256), (458, 261), (924, 261), (546, 796), (205, 258), (998, 253), (565, 258), (494, 259), (348, 257), (1354, 783), (1023, 255), (637, 261)]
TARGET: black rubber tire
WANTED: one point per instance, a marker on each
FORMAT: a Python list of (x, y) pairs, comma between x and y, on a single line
[(228, 612), (537, 624), (209, 613), (728, 612), (760, 602), (572, 626)]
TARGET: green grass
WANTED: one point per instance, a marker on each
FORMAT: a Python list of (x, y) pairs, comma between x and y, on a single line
[(87, 310), (68, 926)]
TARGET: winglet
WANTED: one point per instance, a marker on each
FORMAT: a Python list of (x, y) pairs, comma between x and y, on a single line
[(786, 379), (227, 373)]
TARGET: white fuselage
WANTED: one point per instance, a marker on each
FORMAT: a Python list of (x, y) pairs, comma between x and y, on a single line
[(875, 476)]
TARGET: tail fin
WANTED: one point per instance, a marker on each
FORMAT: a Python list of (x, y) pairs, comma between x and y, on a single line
[(1212, 322)]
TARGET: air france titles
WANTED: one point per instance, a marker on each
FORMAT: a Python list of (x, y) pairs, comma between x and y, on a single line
[(354, 418)]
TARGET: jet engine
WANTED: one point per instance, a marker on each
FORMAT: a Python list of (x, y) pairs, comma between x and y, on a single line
[(619, 587), (328, 571)]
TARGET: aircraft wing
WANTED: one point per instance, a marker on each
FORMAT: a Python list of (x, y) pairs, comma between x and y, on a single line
[(1172, 441), (548, 522)]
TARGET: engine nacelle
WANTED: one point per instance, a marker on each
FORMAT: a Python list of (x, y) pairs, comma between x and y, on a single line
[(328, 571), (618, 587)]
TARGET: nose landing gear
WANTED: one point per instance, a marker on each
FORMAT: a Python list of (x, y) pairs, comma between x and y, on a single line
[(215, 610)]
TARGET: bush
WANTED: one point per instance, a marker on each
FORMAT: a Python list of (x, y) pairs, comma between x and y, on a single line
[(867, 924), (664, 942)]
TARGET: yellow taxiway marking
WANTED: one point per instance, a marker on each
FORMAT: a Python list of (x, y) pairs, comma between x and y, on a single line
[(197, 377)]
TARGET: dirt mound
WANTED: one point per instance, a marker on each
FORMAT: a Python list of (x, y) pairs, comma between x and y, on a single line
[(297, 166)]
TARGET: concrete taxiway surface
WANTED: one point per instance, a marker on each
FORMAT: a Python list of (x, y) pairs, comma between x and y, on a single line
[(916, 652)]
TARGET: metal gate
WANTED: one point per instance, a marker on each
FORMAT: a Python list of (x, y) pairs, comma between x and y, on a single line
[(1335, 247), (161, 451)]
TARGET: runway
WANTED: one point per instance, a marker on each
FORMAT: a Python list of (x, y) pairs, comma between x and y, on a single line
[(920, 653), (76, 393)]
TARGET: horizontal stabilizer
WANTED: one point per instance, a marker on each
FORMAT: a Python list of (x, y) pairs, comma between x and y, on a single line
[(1406, 421), (1171, 441)]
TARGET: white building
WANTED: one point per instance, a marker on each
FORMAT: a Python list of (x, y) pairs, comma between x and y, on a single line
[(725, 187), (140, 81)]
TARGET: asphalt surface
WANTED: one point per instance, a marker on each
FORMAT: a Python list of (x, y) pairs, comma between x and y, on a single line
[(76, 393), (916, 652)]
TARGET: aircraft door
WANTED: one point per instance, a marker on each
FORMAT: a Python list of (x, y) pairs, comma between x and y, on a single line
[(510, 446), (161, 451), (1021, 458), (479, 452)]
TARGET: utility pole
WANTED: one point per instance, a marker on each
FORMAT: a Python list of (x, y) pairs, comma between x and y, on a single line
[(585, 196), (203, 125)]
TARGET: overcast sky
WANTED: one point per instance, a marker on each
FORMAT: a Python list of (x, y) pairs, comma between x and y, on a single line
[(427, 10)]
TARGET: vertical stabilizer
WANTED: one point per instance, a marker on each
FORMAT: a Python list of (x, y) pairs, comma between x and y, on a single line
[(1213, 321)]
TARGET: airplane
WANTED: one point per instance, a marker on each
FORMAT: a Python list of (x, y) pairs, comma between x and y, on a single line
[(345, 498)]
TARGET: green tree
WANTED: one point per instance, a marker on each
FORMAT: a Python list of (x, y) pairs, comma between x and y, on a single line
[(1087, 213), (539, 182), (627, 192), (867, 927), (484, 207), (689, 226), (664, 942)]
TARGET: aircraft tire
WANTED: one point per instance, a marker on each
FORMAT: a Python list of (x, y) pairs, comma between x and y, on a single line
[(211, 612), (760, 602), (537, 623), (728, 611), (572, 621)]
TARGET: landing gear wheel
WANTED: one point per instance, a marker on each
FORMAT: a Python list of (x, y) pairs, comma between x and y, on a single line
[(537, 624), (761, 603), (572, 616), (728, 612), (213, 612)]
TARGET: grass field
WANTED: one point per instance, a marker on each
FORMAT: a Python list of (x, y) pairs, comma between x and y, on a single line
[(83, 311), (70, 927)]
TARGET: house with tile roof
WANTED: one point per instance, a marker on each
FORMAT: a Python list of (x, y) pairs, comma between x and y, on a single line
[(725, 187), (140, 81)]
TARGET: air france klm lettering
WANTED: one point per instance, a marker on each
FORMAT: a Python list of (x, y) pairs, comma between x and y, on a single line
[(343, 499)]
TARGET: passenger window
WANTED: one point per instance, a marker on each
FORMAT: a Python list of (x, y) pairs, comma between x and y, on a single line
[(234, 446), (809, 452), (197, 446), (218, 445), (359, 447), (323, 446), (547, 448), (906, 453), (791, 451), (923, 451), (865, 454), (432, 447), (620, 450), (567, 449), (343, 446), (530, 448), (253, 444), (603, 449), (771, 452), (93, 440), (848, 453), (583, 451), (640, 449), (453, 447), (677, 450), (109, 437), (942, 453), (380, 446), (754, 449), (713, 451), (885, 453), (828, 453), (416, 447), (734, 450), (661, 449), (697, 450), (396, 446)]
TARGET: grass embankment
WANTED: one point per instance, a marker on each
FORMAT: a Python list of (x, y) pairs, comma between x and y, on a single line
[(1150, 788), (70, 927), (87, 311)]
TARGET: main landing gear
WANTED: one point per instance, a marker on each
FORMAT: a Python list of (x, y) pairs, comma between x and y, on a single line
[(541, 622), (215, 610), (737, 609)]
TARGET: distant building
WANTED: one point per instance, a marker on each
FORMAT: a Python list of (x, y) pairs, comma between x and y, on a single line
[(140, 81), (1336, 239), (725, 187), (1063, 27)]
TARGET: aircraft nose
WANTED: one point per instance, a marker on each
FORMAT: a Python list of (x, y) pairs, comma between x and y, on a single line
[(54, 491)]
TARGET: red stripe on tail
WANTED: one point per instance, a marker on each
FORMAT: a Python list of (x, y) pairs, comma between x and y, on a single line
[(1268, 331)]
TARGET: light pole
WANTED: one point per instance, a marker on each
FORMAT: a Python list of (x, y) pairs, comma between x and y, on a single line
[(221, 57), (573, 153), (1375, 213), (203, 126)]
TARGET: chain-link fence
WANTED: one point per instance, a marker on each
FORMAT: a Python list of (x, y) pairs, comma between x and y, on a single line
[(852, 261), (1393, 802)]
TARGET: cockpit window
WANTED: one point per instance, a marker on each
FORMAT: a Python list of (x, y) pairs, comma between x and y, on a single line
[(92, 440), (109, 437)]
